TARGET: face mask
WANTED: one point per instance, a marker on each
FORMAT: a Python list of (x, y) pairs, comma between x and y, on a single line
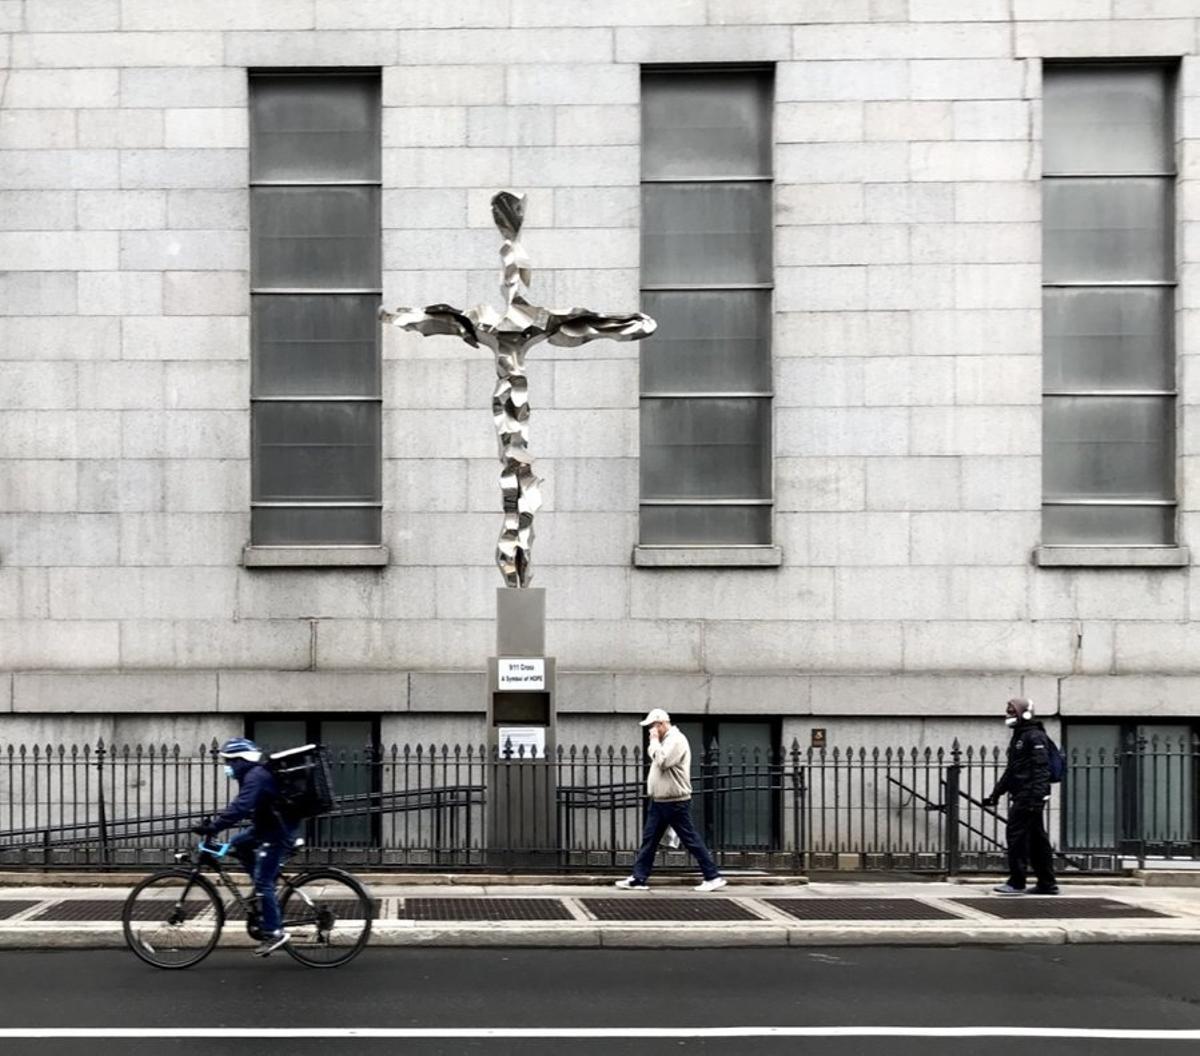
[(229, 772), (1011, 720)]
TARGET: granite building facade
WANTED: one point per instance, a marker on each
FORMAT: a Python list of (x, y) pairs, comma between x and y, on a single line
[(918, 432)]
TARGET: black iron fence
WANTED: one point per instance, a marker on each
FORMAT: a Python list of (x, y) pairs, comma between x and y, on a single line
[(465, 807)]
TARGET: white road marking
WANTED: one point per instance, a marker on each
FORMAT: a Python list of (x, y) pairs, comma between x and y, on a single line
[(1085, 1033)]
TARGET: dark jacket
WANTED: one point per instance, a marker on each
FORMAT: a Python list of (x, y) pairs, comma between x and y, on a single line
[(1027, 776), (257, 799)]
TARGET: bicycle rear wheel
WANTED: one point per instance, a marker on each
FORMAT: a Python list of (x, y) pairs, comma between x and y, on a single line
[(328, 915), (173, 919)]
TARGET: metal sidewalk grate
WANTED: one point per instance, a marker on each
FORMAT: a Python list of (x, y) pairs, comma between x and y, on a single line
[(639, 906), (860, 909), (296, 908), (484, 909), (11, 909), (83, 909), (94, 909), (344, 908), (1031, 907)]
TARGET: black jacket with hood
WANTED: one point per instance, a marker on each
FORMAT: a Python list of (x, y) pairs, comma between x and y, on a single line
[(1027, 776), (257, 799)]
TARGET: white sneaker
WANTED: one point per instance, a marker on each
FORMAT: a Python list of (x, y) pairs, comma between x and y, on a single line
[(631, 883), (272, 942), (715, 884)]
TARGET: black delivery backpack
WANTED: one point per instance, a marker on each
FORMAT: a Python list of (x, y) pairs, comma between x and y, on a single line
[(305, 783)]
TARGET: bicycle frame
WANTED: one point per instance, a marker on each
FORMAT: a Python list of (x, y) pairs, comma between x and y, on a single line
[(215, 857), (206, 854)]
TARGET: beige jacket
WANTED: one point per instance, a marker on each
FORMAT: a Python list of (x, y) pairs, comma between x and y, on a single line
[(670, 775)]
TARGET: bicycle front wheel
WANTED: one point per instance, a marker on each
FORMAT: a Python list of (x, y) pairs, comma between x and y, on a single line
[(173, 919), (327, 914)]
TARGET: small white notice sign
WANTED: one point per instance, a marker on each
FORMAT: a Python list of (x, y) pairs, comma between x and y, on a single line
[(524, 672), (525, 742)]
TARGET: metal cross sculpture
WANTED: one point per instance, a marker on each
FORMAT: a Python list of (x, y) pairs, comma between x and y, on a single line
[(510, 335)]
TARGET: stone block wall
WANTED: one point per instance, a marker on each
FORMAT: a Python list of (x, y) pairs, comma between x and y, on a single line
[(906, 354)]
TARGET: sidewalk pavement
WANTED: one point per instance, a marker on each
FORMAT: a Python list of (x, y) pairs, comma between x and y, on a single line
[(464, 910)]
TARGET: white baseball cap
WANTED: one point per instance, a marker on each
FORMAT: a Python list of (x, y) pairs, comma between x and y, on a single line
[(655, 715)]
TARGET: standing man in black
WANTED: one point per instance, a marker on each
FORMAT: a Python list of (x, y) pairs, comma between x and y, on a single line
[(1026, 779)]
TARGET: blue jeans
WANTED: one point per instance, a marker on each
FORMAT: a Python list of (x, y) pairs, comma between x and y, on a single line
[(263, 860), (678, 816)]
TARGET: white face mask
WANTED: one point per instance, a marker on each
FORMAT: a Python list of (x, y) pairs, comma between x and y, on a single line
[(1011, 720), (229, 772)]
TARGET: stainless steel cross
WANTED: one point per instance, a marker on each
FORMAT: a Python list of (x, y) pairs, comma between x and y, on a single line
[(510, 334)]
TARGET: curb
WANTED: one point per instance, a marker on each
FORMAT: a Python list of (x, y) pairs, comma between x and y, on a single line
[(578, 934), (1167, 878)]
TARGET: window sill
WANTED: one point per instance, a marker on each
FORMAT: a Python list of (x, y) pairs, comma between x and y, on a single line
[(314, 556), (1111, 556), (707, 556)]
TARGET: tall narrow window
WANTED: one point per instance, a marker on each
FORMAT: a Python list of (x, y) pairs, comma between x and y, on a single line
[(707, 278), (1108, 304), (315, 284)]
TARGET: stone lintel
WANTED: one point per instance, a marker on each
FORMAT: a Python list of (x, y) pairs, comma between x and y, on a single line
[(313, 691), (448, 691), (115, 692)]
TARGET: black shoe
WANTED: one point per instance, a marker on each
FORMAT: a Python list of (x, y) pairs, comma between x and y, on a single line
[(1051, 890)]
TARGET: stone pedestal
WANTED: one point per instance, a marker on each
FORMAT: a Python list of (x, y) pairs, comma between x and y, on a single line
[(522, 808)]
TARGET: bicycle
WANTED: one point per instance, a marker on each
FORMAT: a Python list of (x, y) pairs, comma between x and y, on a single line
[(174, 918)]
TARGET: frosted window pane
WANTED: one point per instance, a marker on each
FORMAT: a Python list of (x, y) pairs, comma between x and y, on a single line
[(315, 526), (1108, 525), (1107, 230), (706, 124), (316, 128), (706, 234), (316, 451), (1108, 339), (1106, 119), (708, 341), (315, 237), (316, 345), (718, 448), (705, 525), (1118, 447)]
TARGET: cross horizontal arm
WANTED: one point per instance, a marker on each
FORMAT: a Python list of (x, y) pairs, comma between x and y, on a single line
[(436, 319), (579, 326)]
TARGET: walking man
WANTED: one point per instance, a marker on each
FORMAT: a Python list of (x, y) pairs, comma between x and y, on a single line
[(669, 786), (1026, 779)]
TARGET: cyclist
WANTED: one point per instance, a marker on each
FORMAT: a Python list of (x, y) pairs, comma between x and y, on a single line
[(263, 846)]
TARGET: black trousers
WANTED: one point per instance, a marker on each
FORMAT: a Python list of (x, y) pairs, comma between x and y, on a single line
[(1029, 846)]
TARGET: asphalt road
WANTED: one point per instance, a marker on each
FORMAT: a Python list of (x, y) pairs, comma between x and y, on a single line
[(1127, 987)]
